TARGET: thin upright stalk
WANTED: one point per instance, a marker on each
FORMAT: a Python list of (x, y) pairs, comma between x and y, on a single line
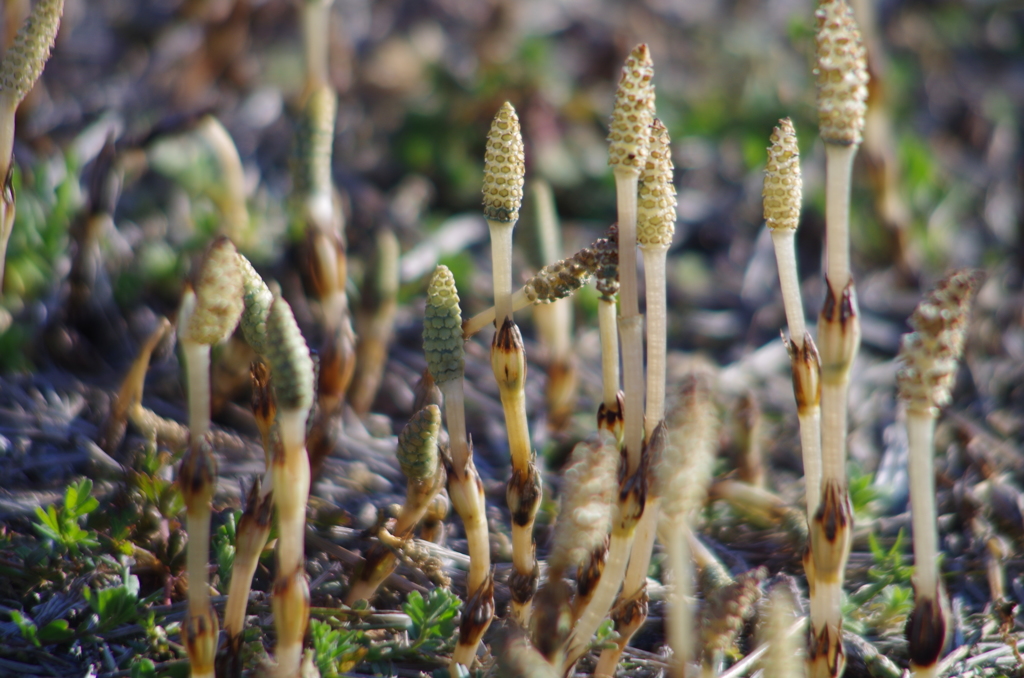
[(609, 351), (657, 333), (679, 622), (197, 369), (921, 436), (501, 268), (630, 320), (838, 171), (316, 23)]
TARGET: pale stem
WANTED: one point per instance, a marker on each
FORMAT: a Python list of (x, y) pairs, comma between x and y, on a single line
[(657, 346), (630, 320), (8, 109), (785, 256), (198, 558), (455, 418), (810, 445), (632, 331), (554, 326), (643, 547), (289, 656), (501, 268), (242, 571), (473, 512), (609, 350), (522, 548), (921, 434), (680, 618), (291, 479), (197, 370), (513, 401), (486, 317), (316, 22), (626, 180), (603, 597), (833, 431), (924, 671), (838, 170)]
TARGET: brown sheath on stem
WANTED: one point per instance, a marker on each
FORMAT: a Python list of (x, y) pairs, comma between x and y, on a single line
[(476, 617), (927, 630), (806, 374), (587, 576), (263, 402), (552, 619)]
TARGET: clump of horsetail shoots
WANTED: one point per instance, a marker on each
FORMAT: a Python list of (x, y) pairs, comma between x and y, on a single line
[(629, 135), (656, 219), (782, 196), (375, 320), (443, 347), (20, 67), (554, 320), (842, 91), (929, 356), (421, 464), (590, 483), (197, 479), (292, 373)]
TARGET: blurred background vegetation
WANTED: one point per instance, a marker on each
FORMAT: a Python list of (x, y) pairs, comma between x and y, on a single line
[(937, 182)]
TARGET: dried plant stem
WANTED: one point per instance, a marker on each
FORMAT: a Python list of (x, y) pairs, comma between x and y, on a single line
[(291, 590), (603, 596), (251, 538), (375, 322), (501, 267), (630, 320), (197, 369), (554, 320)]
